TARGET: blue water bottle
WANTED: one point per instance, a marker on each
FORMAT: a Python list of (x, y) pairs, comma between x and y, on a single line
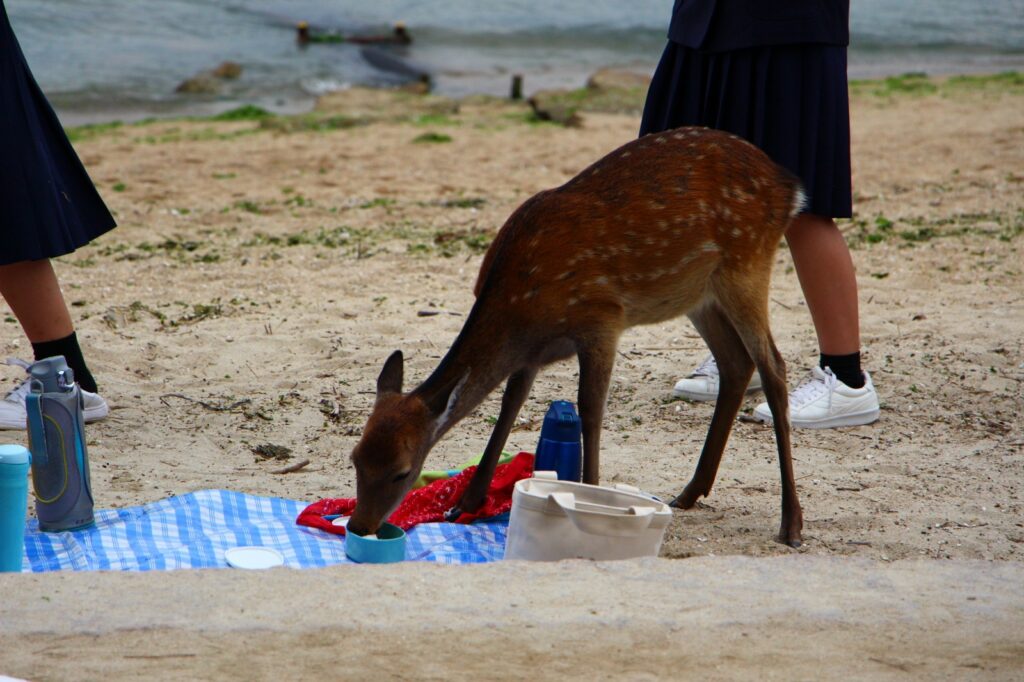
[(56, 437), (14, 464), (559, 449)]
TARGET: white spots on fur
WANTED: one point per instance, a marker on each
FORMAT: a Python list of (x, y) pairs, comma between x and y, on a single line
[(514, 298), (660, 139), (656, 205), (529, 294), (599, 281), (662, 224), (533, 270), (678, 136), (572, 301), (799, 202), (565, 275), (562, 320), (625, 154), (708, 247), (736, 232)]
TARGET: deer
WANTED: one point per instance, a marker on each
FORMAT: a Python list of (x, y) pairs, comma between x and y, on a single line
[(683, 222)]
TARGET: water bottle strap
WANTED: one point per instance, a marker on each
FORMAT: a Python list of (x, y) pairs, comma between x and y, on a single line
[(36, 429)]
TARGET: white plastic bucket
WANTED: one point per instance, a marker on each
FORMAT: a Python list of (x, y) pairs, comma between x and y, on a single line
[(554, 520)]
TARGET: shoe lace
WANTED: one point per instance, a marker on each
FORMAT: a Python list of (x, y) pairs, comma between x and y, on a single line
[(19, 392), (708, 368), (821, 382)]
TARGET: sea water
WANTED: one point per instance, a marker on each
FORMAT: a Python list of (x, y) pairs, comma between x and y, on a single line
[(104, 59)]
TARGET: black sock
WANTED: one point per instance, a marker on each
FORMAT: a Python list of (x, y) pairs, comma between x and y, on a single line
[(68, 347), (845, 367)]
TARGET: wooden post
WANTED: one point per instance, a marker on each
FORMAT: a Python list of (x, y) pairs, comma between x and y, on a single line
[(517, 87)]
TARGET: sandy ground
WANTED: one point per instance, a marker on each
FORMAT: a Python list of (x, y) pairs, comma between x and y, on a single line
[(709, 618), (280, 269)]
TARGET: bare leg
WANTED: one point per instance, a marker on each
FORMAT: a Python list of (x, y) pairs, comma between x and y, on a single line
[(33, 293), (828, 280)]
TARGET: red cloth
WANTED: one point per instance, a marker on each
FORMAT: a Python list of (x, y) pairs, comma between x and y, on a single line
[(432, 502)]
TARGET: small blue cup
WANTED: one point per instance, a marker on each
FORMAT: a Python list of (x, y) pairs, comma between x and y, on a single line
[(387, 548), (15, 461)]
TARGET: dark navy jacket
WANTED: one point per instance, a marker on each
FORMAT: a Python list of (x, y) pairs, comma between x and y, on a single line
[(719, 25)]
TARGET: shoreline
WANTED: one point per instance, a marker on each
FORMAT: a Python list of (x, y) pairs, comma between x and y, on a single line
[(167, 110)]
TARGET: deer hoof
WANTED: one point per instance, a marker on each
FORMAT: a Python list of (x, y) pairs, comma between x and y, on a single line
[(791, 538), (452, 514), (685, 499)]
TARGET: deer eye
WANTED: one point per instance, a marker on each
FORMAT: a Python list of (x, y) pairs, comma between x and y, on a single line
[(401, 477)]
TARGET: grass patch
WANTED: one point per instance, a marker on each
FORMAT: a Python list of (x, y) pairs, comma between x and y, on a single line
[(920, 84), (432, 138), (310, 122), (382, 202), (91, 130), (464, 202), (436, 120), (246, 112), (119, 187), (249, 206)]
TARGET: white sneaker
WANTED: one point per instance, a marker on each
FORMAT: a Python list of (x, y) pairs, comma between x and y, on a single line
[(824, 402), (12, 406), (702, 385)]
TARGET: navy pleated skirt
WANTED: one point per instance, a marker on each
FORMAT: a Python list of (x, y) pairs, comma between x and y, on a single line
[(789, 100), (48, 204)]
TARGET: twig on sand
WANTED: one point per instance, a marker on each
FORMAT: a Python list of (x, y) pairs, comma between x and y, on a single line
[(301, 464), (431, 313), (209, 406)]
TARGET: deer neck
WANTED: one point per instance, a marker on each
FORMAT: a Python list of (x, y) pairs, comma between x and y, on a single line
[(477, 363)]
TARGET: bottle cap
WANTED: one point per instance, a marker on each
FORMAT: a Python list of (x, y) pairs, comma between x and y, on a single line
[(14, 454)]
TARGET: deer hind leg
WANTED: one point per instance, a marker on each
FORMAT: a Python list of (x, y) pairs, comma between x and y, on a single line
[(596, 355), (750, 319), (735, 368), (516, 391)]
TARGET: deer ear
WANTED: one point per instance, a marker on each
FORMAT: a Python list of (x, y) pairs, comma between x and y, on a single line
[(390, 379)]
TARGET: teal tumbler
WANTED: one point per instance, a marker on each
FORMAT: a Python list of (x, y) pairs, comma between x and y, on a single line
[(14, 465)]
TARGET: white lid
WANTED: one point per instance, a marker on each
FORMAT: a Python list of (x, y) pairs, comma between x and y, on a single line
[(253, 557), (14, 454)]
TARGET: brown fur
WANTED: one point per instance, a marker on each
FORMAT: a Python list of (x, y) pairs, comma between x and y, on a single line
[(682, 222)]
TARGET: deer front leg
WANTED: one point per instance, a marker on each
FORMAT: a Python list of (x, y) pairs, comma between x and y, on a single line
[(516, 391), (597, 357)]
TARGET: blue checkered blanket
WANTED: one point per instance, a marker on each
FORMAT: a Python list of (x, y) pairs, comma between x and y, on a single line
[(194, 531)]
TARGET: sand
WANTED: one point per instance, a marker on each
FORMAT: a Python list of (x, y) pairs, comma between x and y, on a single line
[(258, 280)]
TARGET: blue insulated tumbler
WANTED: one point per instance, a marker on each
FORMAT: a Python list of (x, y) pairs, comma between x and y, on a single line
[(56, 437), (14, 465), (559, 448)]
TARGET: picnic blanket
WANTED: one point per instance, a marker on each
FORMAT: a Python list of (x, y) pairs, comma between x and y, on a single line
[(194, 531)]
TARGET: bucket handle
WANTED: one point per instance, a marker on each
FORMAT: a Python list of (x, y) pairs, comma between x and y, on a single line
[(633, 522)]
